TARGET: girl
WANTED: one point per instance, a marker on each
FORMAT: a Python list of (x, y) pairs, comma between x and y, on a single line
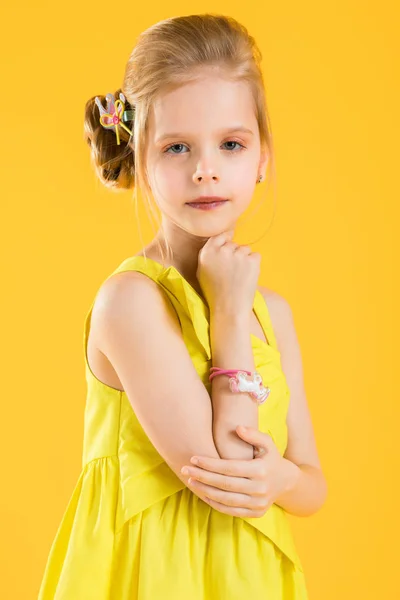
[(180, 349)]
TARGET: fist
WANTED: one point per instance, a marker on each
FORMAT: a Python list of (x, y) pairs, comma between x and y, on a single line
[(228, 274)]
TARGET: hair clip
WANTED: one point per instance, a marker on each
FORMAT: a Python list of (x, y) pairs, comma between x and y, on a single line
[(112, 116)]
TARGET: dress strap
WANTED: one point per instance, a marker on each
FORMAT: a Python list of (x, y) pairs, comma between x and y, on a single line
[(183, 295), (262, 312)]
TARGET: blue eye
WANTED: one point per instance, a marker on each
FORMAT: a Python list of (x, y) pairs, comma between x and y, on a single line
[(233, 142), (166, 151), (174, 146)]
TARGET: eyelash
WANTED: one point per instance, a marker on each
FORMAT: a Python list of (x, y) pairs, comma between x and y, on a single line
[(227, 142)]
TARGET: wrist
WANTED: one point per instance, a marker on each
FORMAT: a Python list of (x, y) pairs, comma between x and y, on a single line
[(229, 315)]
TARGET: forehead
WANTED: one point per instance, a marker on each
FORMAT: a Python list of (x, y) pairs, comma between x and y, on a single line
[(206, 104)]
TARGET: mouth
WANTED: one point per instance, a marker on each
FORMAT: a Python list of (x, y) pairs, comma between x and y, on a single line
[(207, 203)]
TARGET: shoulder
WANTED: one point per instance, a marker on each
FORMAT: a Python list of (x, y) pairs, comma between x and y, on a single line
[(129, 287), (129, 297), (280, 312), (287, 339), (272, 297)]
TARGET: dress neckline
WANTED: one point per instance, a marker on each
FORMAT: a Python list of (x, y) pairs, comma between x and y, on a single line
[(260, 307)]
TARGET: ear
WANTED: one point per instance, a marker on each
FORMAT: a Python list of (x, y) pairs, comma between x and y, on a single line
[(264, 158)]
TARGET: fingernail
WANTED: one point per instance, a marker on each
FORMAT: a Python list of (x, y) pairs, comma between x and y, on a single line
[(194, 460), (185, 470)]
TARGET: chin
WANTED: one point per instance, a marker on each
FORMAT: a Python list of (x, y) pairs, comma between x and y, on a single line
[(210, 230)]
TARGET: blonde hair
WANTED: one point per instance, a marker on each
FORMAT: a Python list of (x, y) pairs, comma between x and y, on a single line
[(167, 55)]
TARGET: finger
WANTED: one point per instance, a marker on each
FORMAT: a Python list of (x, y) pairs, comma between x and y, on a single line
[(235, 468), (255, 437), (229, 233), (224, 482), (229, 245), (258, 451), (243, 249), (234, 511), (220, 239), (227, 498)]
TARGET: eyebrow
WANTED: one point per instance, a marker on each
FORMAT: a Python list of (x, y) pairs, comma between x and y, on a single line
[(221, 131)]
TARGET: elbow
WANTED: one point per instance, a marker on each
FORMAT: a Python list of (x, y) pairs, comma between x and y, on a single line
[(184, 460)]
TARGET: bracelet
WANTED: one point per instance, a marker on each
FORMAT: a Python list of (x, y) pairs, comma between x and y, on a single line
[(243, 381)]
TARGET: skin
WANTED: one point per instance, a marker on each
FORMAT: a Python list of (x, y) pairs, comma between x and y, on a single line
[(205, 160), (202, 161)]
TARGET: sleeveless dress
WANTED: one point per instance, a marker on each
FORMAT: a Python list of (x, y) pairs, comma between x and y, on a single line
[(132, 530)]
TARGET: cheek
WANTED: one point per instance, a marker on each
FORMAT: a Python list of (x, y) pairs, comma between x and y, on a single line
[(170, 176), (242, 183), (243, 170), (168, 183)]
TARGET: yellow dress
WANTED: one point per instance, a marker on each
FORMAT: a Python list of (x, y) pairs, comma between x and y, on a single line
[(132, 530)]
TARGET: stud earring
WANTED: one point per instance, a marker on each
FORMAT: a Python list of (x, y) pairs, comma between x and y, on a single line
[(259, 179)]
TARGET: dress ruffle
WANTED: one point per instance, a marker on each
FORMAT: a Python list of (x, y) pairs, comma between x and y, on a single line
[(91, 560), (81, 556)]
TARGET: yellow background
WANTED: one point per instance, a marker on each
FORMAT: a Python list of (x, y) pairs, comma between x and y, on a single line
[(332, 76)]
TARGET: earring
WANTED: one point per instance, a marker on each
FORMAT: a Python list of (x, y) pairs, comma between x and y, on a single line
[(259, 179)]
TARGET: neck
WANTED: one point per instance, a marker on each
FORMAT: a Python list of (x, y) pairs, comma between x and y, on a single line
[(185, 250)]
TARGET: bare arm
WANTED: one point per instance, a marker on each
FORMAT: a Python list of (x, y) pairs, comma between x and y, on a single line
[(310, 490), (231, 349), (140, 334)]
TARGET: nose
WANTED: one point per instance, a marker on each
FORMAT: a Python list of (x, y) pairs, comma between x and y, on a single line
[(205, 172)]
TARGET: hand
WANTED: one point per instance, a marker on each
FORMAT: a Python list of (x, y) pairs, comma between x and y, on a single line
[(245, 488), (228, 274)]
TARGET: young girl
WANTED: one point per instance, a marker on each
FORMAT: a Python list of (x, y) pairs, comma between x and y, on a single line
[(182, 347)]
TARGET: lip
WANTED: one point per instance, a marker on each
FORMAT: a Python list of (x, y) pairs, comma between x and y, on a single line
[(207, 199), (207, 205)]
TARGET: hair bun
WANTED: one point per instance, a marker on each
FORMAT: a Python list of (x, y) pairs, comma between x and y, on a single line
[(114, 163)]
